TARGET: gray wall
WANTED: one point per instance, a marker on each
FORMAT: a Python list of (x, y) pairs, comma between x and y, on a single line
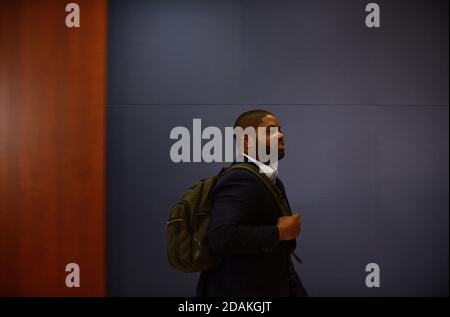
[(365, 114)]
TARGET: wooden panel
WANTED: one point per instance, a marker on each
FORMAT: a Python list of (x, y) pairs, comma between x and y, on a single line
[(52, 147)]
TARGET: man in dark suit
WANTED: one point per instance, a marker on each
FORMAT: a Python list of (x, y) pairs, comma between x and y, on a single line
[(247, 229)]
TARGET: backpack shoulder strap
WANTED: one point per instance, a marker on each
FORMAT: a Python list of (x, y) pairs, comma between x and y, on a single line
[(276, 192)]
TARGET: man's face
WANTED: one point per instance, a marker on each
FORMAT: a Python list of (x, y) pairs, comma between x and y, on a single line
[(268, 122)]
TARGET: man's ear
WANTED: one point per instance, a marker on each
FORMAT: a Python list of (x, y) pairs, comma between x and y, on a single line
[(245, 140), (246, 143)]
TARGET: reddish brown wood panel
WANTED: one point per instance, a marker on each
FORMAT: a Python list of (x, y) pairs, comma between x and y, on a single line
[(52, 147)]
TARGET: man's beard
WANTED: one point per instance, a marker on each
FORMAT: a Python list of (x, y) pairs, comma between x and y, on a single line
[(280, 154)]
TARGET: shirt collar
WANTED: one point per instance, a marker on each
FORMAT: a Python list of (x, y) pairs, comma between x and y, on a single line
[(271, 171)]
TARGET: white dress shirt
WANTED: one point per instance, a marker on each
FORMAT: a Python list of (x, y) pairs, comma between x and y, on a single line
[(271, 171)]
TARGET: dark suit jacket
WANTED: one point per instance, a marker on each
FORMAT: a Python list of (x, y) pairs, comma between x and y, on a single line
[(243, 230)]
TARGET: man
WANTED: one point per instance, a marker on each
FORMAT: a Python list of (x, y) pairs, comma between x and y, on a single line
[(246, 227)]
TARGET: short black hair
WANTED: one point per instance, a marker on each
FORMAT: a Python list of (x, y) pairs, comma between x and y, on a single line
[(251, 118)]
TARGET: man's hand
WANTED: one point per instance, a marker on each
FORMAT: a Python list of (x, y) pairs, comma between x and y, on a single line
[(288, 227)]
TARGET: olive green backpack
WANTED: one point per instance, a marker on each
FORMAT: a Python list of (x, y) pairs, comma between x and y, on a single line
[(188, 249)]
